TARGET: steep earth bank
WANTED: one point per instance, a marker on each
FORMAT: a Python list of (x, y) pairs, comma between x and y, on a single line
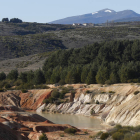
[(117, 103)]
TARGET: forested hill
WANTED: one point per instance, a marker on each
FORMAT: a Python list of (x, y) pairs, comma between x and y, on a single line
[(106, 62), (22, 39)]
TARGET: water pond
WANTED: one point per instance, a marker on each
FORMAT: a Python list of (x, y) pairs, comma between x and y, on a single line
[(78, 121)]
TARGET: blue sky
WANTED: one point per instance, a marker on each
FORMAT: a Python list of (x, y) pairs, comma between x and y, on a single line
[(44, 11)]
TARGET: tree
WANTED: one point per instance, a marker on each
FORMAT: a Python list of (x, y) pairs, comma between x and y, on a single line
[(5, 20), (69, 78), (39, 77), (136, 50), (48, 74), (55, 77), (90, 78), (84, 74), (13, 75), (23, 77), (43, 137), (114, 78), (102, 75), (15, 20), (30, 76), (2, 76), (55, 93)]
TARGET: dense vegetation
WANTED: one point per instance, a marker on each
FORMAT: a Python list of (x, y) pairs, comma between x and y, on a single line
[(19, 39), (70, 130), (57, 95), (22, 81), (104, 63), (107, 62), (13, 20), (18, 46), (120, 133)]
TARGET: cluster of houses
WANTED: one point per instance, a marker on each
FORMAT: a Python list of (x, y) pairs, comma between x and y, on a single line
[(84, 24)]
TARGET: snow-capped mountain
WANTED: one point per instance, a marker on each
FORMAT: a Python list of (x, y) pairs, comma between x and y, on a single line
[(98, 17)]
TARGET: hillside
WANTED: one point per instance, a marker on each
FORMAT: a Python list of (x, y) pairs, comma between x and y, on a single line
[(13, 45), (23, 40)]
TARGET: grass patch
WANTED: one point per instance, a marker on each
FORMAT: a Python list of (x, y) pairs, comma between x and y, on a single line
[(70, 130)]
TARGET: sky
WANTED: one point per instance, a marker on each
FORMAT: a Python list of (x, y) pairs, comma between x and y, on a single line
[(44, 11)]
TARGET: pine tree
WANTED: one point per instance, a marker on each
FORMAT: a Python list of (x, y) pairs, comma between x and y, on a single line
[(114, 78), (2, 76), (43, 137), (39, 77), (102, 75), (90, 78), (13, 75)]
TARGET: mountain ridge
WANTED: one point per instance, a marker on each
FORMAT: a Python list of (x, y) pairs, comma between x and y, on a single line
[(100, 16)]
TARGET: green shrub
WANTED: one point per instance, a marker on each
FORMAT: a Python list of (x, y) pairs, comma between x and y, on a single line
[(104, 136), (57, 102), (7, 86), (43, 137), (86, 132), (136, 136), (46, 101), (118, 126), (61, 96), (123, 130), (137, 128), (91, 136), (127, 136), (111, 92), (61, 135), (41, 87), (130, 128), (136, 92), (24, 90), (97, 102), (87, 91), (87, 103), (55, 93), (1, 90), (99, 134), (117, 136), (92, 111), (70, 130), (50, 100), (64, 90)]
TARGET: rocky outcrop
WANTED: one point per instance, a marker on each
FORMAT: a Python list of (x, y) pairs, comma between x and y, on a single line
[(117, 103), (10, 98), (30, 100), (34, 98), (23, 125)]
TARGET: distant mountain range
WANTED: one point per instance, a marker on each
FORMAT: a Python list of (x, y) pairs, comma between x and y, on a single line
[(101, 16)]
